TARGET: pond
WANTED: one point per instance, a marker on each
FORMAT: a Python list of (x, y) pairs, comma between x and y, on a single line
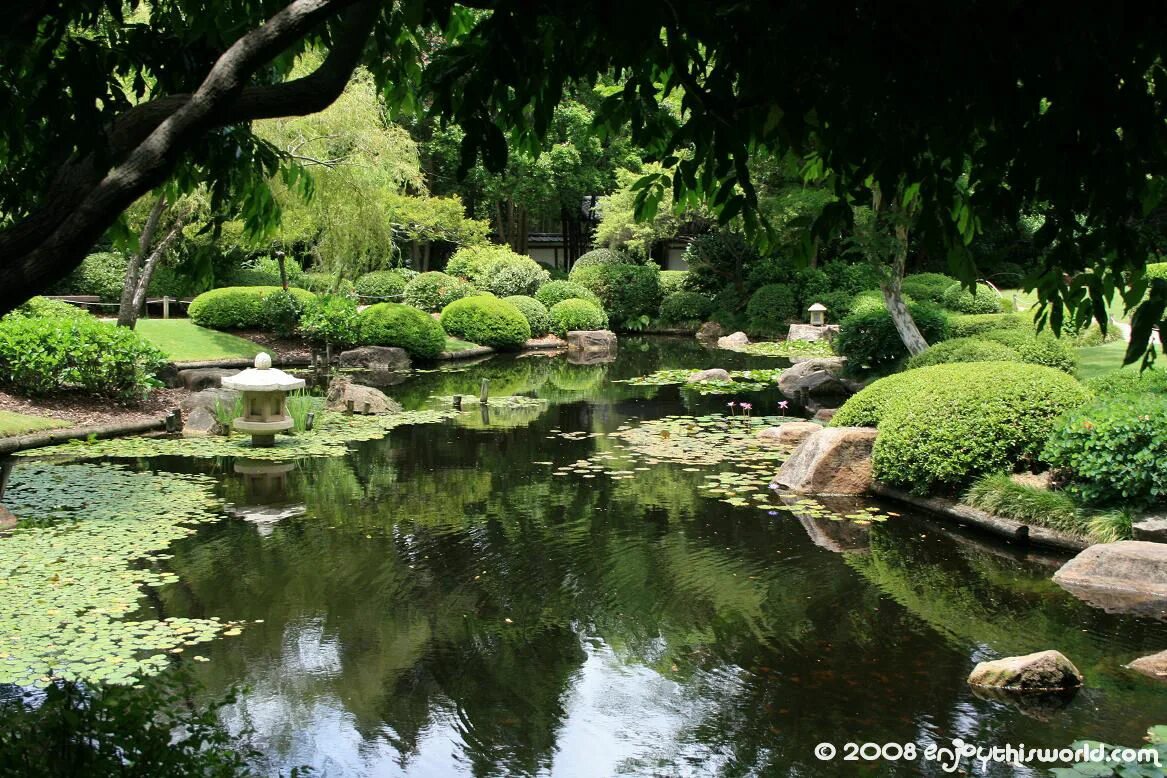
[(508, 594)]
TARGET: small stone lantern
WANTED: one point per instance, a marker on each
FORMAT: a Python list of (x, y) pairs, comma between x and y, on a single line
[(265, 394), (818, 314)]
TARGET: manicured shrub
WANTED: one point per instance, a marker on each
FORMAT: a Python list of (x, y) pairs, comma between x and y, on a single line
[(488, 321), (1114, 450), (281, 312), (102, 274), (869, 337), (41, 355), (685, 307), (497, 269), (554, 292), (42, 306), (328, 283), (576, 314), (331, 319), (238, 307), (958, 298), (964, 350), (534, 312), (771, 308), (265, 271), (1091, 335), (381, 286), (672, 281), (626, 291), (1038, 348), (433, 291), (724, 254), (394, 324), (597, 257), (978, 324), (834, 284), (940, 427), (1128, 382), (928, 287)]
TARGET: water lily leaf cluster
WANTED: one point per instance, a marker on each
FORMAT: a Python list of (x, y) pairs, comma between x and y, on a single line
[(330, 436), (507, 401), (69, 583), (787, 348), (740, 381)]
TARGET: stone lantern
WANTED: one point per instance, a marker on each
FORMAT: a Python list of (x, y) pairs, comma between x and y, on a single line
[(265, 394), (818, 315)]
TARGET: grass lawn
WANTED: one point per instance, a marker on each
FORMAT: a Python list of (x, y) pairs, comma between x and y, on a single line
[(1096, 360), (184, 341), (454, 345), (21, 424), (1028, 300)]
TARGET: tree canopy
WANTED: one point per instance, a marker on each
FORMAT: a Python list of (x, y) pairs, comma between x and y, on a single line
[(972, 112)]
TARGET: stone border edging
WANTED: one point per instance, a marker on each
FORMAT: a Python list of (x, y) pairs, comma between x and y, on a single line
[(16, 443), (965, 514), (477, 351)]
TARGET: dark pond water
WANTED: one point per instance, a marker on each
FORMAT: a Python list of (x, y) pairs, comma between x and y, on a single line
[(446, 606)]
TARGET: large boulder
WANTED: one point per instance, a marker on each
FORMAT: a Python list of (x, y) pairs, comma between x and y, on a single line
[(832, 461), (734, 341), (200, 378), (825, 414), (7, 519), (201, 411), (591, 340), (812, 332), (1129, 576), (710, 331), (713, 374), (376, 358), (1043, 671), (1152, 529), (789, 434), (364, 399), (1153, 666), (820, 376)]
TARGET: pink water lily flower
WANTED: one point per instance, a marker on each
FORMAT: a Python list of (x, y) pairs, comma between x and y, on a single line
[(783, 405), (747, 407)]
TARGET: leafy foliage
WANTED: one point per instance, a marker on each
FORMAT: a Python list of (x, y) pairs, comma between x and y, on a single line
[(598, 257), (929, 287), (771, 308), (1038, 349), (999, 494), (488, 321), (331, 319), (433, 291), (394, 324), (720, 259), (1157, 740), (101, 274), (281, 311), (381, 286), (1131, 381), (673, 281), (1113, 450), (42, 355), (557, 291), (685, 306), (869, 337), (265, 271), (625, 291), (534, 312), (240, 307), (964, 350), (982, 300), (576, 314), (980, 324), (44, 307), (498, 270)]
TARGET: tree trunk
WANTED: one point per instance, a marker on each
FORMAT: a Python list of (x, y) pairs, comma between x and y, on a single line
[(893, 297), (146, 274), (127, 311), (281, 259)]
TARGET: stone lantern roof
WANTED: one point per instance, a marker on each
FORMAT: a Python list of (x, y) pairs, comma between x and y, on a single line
[(263, 378), (817, 307)]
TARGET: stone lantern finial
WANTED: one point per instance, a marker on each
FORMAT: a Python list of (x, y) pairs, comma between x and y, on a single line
[(262, 361)]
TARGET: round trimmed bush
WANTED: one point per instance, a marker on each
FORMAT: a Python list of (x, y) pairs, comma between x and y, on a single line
[(238, 307), (957, 298), (978, 324), (534, 312), (964, 350), (554, 292), (1114, 450), (929, 287), (381, 286), (1038, 348), (433, 291), (597, 257), (43, 306), (685, 307), (331, 319), (942, 426), (869, 337), (771, 308), (1119, 382), (327, 283), (497, 269), (626, 291), (576, 314), (487, 321), (672, 281), (394, 324), (280, 312)]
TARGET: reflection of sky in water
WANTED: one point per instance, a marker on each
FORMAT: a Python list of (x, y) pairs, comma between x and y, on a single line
[(619, 718)]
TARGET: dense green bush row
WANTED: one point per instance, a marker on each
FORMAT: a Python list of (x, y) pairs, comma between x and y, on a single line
[(242, 307), (626, 291), (1002, 346), (381, 286), (498, 270), (488, 321), (575, 314), (868, 337), (433, 291), (395, 324), (681, 307), (557, 291), (771, 309), (534, 312), (983, 299), (331, 319)]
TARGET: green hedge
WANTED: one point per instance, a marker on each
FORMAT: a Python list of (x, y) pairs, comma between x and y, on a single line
[(327, 283), (534, 312), (1038, 348), (1128, 382), (102, 274), (381, 286), (554, 292), (771, 309), (331, 319), (42, 355), (958, 298), (1115, 451), (497, 269), (433, 291), (598, 257), (239, 307), (928, 287), (626, 291), (685, 307), (964, 350), (394, 324), (488, 321), (576, 314), (964, 326), (673, 281), (869, 337), (941, 427), (42, 306)]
